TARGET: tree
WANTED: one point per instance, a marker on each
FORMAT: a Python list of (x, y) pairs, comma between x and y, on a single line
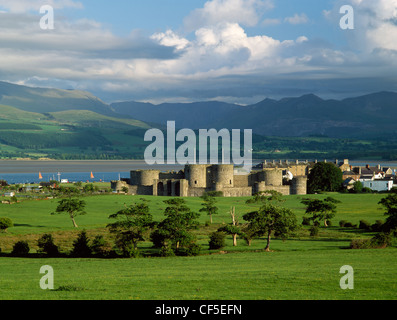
[(175, 228), (390, 203), (324, 177), (358, 187), (46, 244), (73, 207), (81, 246), (132, 225), (209, 205), (265, 196), (321, 209), (271, 219), (5, 223), (233, 228)]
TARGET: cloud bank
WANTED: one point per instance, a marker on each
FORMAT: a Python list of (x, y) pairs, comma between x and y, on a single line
[(214, 55)]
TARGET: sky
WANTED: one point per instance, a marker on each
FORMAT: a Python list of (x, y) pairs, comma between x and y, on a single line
[(237, 51)]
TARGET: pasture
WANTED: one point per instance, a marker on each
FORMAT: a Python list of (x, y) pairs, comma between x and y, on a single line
[(302, 267)]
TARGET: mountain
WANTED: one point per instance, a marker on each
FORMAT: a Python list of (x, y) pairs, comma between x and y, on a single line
[(364, 116), (71, 134), (186, 115), (43, 100)]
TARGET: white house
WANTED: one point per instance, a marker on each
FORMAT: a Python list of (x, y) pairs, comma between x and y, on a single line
[(378, 184), (9, 194)]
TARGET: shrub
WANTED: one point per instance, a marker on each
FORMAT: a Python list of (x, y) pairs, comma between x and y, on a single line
[(99, 245), (166, 251), (360, 244), (5, 223), (314, 231), (364, 225), (366, 190), (377, 226), (342, 223), (305, 221), (157, 239), (46, 245), (217, 240), (381, 240), (349, 225), (81, 247), (21, 248), (193, 249)]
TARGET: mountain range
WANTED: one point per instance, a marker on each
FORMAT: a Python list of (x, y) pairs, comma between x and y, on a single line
[(73, 124), (357, 117)]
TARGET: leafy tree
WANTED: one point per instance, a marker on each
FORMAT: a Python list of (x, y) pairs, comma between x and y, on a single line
[(46, 245), (98, 246), (358, 187), (132, 224), (81, 246), (73, 207), (390, 204), (5, 223), (209, 205), (321, 209), (271, 219), (175, 229), (21, 248), (217, 240), (324, 176), (234, 228)]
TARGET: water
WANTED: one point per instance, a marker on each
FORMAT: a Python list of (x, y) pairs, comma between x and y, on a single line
[(18, 172), (78, 170), (26, 178)]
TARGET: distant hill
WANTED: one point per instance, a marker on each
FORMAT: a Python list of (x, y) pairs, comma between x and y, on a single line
[(363, 116), (42, 100), (71, 134), (195, 115)]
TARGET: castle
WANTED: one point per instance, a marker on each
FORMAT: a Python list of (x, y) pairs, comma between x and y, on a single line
[(196, 179)]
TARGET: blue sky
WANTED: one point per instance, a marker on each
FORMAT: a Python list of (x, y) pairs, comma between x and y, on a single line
[(238, 51)]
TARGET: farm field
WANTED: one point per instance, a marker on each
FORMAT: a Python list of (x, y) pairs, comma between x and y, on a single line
[(301, 267)]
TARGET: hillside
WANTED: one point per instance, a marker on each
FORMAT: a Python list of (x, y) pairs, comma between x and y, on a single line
[(69, 124), (195, 115), (42, 100), (366, 116), (69, 134)]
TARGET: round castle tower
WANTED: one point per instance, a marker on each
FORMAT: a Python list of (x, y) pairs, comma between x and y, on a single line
[(144, 177), (272, 177), (299, 185), (196, 175), (224, 175)]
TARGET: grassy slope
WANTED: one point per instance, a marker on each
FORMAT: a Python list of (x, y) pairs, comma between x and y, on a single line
[(68, 129), (300, 268)]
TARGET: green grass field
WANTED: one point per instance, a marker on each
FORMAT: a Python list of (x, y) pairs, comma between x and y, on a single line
[(298, 268)]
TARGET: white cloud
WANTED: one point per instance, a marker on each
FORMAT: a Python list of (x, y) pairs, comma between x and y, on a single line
[(270, 22), (244, 12), (297, 19), (170, 39), (217, 56), (24, 6)]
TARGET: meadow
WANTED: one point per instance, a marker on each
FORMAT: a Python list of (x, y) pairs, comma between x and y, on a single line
[(302, 267)]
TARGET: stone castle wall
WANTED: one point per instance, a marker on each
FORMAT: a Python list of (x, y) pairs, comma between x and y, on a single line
[(195, 180)]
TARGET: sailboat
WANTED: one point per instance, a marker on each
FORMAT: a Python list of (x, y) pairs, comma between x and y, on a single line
[(92, 176), (40, 176)]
